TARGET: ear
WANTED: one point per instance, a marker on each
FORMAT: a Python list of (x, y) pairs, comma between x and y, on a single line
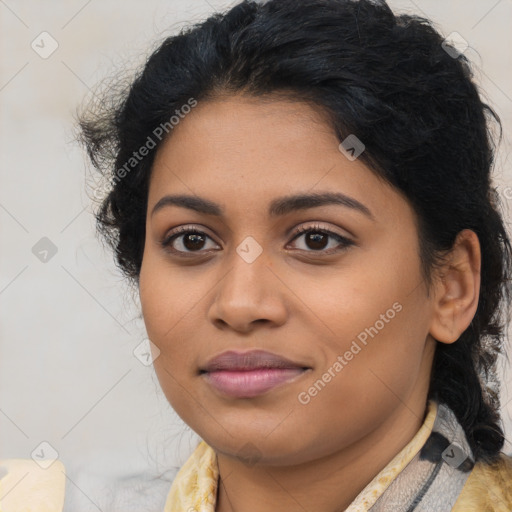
[(457, 289)]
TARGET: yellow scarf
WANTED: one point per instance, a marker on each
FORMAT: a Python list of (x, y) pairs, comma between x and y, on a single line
[(195, 485)]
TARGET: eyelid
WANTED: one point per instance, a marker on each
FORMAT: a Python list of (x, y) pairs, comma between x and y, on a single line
[(305, 227), (290, 233), (186, 228)]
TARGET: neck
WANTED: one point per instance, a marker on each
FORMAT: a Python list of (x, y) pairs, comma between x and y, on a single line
[(329, 484)]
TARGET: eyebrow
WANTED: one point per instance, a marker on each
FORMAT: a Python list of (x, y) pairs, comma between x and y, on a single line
[(278, 207)]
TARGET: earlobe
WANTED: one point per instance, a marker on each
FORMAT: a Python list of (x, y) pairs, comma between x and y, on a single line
[(457, 289)]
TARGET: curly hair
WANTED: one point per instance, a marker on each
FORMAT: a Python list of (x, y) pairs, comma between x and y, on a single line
[(390, 80)]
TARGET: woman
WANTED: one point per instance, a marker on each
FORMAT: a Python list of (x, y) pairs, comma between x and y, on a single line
[(301, 192)]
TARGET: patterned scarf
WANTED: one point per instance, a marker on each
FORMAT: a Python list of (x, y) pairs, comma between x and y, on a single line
[(427, 475), (434, 478)]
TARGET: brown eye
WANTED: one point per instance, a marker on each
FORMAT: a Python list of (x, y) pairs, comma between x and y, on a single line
[(316, 239), (185, 240)]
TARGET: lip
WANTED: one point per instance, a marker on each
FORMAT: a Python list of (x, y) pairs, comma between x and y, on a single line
[(249, 374), (248, 360)]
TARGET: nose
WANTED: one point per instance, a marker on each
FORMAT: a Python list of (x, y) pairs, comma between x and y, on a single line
[(249, 294)]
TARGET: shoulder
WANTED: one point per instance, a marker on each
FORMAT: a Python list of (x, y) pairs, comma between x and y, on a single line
[(488, 488), (24, 485)]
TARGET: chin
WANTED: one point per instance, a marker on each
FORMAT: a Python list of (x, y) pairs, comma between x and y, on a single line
[(259, 448)]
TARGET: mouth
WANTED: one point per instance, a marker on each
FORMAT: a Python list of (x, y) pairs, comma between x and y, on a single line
[(249, 374)]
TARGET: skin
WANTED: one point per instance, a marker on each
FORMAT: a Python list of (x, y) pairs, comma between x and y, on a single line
[(295, 301)]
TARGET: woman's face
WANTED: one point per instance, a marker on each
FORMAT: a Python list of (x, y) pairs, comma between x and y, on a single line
[(353, 312)]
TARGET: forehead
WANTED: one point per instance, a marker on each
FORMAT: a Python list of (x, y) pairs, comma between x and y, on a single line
[(238, 127), (245, 151)]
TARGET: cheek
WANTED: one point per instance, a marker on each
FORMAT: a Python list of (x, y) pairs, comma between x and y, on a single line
[(170, 305), (164, 311), (349, 397), (164, 316), (377, 319), (166, 297)]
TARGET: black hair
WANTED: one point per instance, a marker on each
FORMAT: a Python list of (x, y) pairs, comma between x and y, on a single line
[(393, 82)]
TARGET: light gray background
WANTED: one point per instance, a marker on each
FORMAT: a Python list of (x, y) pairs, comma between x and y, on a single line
[(68, 327)]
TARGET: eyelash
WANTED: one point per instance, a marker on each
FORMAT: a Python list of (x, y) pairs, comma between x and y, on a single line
[(345, 243)]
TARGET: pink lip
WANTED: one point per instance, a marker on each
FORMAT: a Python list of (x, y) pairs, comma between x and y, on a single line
[(249, 383), (248, 374)]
